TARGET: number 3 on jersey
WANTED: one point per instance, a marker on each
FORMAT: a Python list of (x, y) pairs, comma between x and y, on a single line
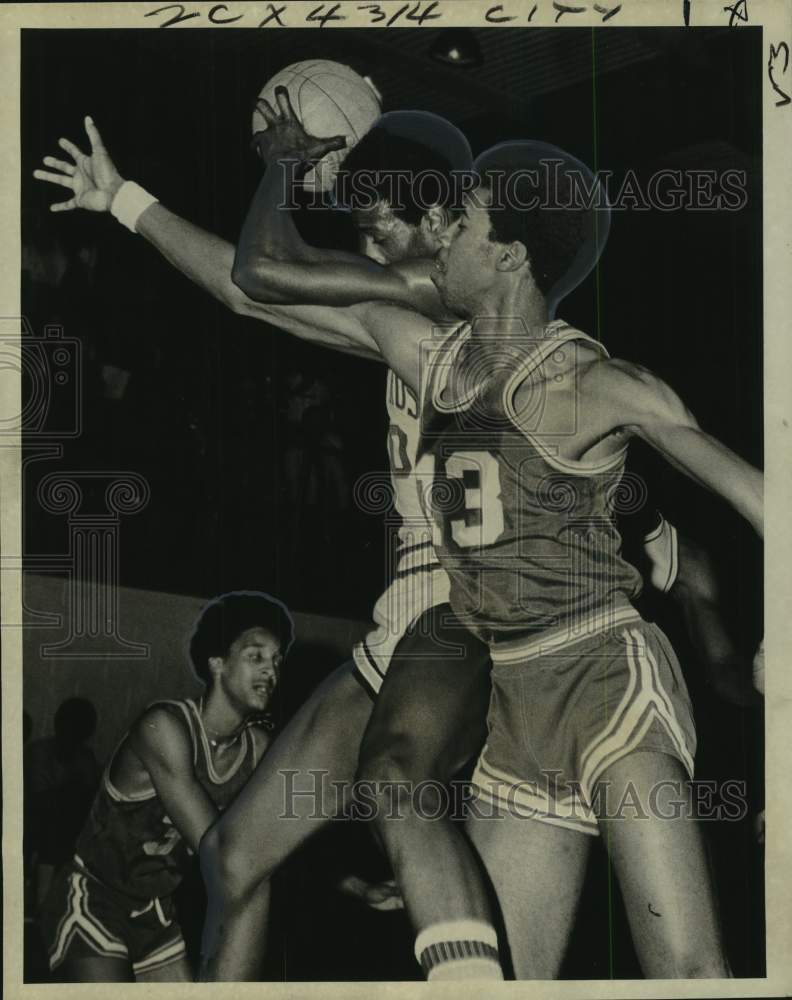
[(482, 518)]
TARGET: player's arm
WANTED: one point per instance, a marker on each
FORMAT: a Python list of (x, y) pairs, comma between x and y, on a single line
[(400, 336), (204, 258), (625, 395), (697, 593), (163, 746), (273, 264), (207, 260)]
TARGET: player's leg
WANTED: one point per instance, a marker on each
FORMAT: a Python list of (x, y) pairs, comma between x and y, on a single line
[(94, 969), (537, 872), (156, 944), (428, 720), (658, 855), (174, 972), (634, 771), (288, 798)]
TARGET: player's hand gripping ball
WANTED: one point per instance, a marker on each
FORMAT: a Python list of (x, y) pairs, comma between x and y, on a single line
[(308, 109)]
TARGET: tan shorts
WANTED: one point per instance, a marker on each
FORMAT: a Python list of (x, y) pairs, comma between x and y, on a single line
[(564, 708)]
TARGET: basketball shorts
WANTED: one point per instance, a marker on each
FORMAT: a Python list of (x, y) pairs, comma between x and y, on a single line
[(414, 590), (82, 918), (565, 708)]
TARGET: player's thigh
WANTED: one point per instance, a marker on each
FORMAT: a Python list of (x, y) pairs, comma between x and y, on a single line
[(537, 871), (174, 972), (431, 709), (95, 969), (659, 857), (289, 795)]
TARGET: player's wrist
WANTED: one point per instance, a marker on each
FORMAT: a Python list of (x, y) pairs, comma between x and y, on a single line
[(129, 202), (114, 186)]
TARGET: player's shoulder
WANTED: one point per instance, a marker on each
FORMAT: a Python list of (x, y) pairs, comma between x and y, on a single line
[(164, 727), (637, 394), (616, 377)]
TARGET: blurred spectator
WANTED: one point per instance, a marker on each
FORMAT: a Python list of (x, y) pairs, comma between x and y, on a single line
[(317, 489), (61, 775)]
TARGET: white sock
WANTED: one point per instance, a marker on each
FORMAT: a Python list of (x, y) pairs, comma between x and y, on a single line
[(459, 949)]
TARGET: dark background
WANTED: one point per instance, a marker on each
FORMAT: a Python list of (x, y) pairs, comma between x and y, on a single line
[(203, 415)]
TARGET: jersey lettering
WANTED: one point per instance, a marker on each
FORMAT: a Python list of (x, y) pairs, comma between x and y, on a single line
[(402, 398), (397, 451), (482, 521)]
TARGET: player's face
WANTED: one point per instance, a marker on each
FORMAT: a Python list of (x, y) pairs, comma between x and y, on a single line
[(251, 668), (465, 264), (386, 238)]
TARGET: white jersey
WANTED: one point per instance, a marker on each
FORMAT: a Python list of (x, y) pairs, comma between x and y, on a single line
[(416, 531)]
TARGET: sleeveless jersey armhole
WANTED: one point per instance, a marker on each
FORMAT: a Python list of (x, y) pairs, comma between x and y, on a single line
[(113, 791), (564, 335), (149, 793)]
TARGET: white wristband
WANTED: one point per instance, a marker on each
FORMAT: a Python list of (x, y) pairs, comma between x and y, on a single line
[(130, 202)]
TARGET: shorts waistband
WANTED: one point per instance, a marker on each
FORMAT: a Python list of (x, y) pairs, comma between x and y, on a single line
[(526, 647), (414, 557)]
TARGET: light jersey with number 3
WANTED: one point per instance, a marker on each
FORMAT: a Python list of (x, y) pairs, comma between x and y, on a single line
[(527, 538), (416, 531)]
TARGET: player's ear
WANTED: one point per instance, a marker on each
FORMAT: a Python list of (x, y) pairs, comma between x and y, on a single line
[(216, 664), (512, 257), (436, 220)]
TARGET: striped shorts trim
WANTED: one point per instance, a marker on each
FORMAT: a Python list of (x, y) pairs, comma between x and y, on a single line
[(644, 701), (163, 956), (558, 640), (528, 800), (507, 774), (79, 921)]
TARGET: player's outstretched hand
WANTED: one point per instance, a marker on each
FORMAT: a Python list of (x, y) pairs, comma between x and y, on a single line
[(93, 180), (376, 895), (284, 138)]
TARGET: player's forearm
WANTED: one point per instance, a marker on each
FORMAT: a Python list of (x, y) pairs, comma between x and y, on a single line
[(207, 260), (273, 264), (713, 465), (269, 231), (203, 257)]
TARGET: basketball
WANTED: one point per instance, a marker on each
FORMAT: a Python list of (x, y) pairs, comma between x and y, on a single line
[(330, 99)]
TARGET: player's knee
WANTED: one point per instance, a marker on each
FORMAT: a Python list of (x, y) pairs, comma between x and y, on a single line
[(396, 777), (391, 755), (226, 869)]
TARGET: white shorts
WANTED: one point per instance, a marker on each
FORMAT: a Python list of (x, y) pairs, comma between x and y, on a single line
[(412, 592)]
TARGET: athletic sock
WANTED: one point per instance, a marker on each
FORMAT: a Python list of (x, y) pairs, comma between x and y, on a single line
[(459, 949)]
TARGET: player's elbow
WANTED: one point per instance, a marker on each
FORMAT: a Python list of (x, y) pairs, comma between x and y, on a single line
[(252, 280)]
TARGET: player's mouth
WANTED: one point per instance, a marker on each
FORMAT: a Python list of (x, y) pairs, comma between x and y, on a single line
[(262, 689)]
